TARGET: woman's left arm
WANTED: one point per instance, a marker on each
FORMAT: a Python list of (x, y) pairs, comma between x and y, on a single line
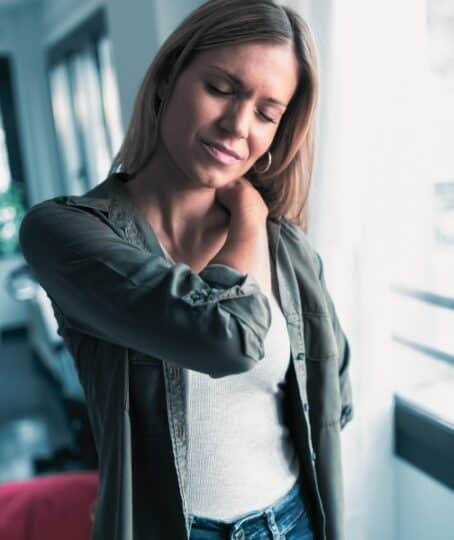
[(344, 351)]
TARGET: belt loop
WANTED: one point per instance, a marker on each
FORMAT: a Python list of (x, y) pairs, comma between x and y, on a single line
[(272, 525)]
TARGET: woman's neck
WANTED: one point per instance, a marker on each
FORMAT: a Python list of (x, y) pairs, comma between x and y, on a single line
[(177, 211)]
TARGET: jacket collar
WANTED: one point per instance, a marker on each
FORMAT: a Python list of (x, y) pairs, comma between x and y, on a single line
[(112, 198)]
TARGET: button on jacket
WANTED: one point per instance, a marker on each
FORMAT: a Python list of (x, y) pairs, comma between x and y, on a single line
[(130, 317)]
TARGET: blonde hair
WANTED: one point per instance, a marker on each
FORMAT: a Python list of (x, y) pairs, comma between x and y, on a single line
[(216, 23)]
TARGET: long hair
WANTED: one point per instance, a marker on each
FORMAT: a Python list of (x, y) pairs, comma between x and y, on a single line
[(217, 23)]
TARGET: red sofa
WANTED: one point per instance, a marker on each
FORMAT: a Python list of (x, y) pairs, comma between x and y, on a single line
[(52, 507)]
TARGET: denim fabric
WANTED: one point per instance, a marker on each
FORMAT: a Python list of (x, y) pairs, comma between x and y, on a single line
[(286, 519)]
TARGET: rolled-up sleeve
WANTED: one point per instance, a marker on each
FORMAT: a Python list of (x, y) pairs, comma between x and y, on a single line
[(214, 322)]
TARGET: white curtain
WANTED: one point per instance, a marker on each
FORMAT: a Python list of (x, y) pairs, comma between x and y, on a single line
[(370, 217)]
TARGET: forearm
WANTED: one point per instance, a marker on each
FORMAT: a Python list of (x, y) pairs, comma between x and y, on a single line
[(106, 287)]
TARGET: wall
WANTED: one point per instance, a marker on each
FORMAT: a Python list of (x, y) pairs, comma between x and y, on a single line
[(372, 217), (424, 506), (150, 22), (61, 16), (132, 56)]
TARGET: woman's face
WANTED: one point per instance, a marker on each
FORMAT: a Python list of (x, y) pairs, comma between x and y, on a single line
[(225, 109)]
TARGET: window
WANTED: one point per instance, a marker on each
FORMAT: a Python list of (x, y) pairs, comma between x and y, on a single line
[(424, 404), (85, 104), (12, 195)]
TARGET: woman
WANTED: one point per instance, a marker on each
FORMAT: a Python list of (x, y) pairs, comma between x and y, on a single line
[(211, 356)]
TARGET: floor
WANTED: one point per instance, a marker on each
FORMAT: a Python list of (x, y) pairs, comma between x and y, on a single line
[(32, 418)]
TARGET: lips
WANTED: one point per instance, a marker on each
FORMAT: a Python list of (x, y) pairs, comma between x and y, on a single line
[(221, 153), (223, 148)]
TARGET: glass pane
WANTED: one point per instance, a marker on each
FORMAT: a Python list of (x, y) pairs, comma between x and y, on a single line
[(440, 26), (5, 175), (111, 101), (423, 318), (89, 114), (66, 130), (12, 207), (440, 31)]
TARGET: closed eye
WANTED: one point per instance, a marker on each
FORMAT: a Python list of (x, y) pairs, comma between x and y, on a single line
[(266, 118), (217, 91)]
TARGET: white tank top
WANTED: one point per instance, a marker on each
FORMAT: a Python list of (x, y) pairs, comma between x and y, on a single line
[(241, 457)]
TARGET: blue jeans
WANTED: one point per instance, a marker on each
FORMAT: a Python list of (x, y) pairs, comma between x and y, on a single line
[(286, 519)]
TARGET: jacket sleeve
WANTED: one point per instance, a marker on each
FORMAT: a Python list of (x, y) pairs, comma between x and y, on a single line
[(344, 351), (214, 322)]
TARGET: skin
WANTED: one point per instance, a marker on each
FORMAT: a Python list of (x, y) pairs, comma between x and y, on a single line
[(176, 192)]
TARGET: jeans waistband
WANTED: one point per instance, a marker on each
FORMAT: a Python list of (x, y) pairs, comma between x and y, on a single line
[(285, 511)]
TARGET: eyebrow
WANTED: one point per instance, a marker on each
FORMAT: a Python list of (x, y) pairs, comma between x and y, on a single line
[(240, 83)]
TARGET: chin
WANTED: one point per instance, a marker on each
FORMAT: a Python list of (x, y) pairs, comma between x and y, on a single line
[(214, 179)]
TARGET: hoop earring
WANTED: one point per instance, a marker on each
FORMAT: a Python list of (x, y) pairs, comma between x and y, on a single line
[(268, 165)]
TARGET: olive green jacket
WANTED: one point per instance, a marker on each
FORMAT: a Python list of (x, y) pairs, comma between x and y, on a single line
[(133, 322)]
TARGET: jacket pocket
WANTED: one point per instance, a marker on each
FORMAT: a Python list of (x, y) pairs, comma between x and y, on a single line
[(323, 391), (320, 340), (322, 367)]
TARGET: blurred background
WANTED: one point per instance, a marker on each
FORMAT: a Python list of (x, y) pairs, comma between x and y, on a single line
[(382, 217)]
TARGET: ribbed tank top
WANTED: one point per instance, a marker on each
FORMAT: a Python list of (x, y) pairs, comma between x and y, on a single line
[(241, 457)]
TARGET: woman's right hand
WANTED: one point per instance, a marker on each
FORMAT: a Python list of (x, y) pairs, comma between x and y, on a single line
[(243, 201)]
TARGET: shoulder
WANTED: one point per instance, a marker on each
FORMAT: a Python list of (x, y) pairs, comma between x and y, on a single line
[(56, 228), (56, 209), (54, 213), (68, 201), (292, 230), (43, 213), (297, 242), (97, 199)]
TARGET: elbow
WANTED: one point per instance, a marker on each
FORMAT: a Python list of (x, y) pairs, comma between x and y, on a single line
[(23, 234), (29, 239), (241, 354), (32, 233), (237, 318), (237, 365)]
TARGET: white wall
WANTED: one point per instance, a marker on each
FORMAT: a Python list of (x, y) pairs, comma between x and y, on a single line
[(170, 14), (371, 221), (347, 199), (136, 36), (135, 40)]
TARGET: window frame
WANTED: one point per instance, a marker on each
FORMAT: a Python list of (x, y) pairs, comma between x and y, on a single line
[(10, 120), (422, 438)]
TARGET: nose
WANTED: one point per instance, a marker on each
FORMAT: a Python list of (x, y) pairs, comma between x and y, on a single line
[(236, 119)]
